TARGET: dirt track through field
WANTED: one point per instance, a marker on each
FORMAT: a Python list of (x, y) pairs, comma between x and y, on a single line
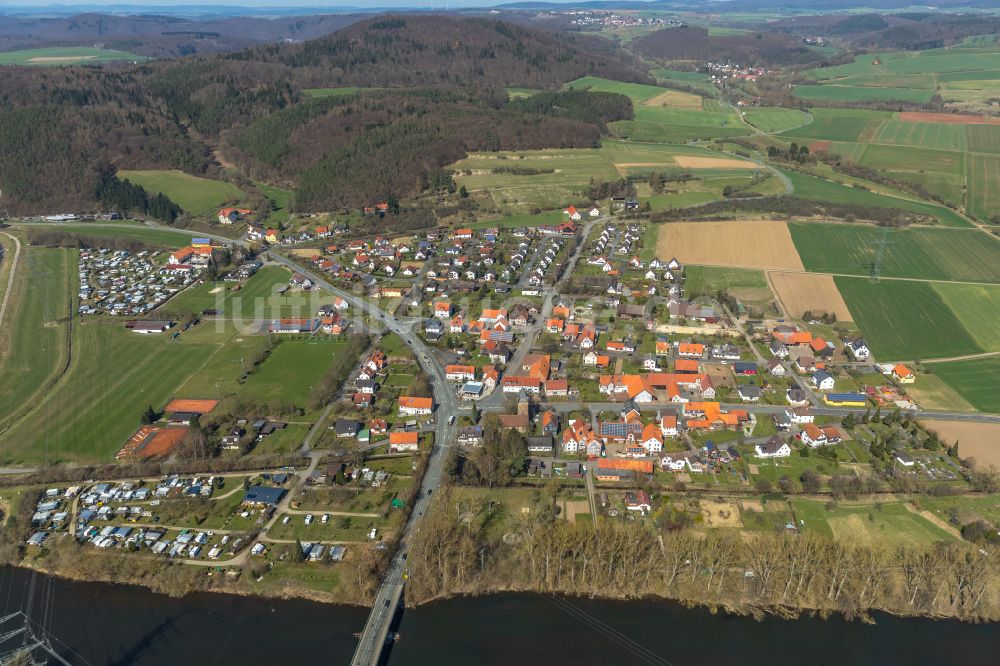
[(799, 292), (10, 278), (762, 244), (699, 162), (975, 440)]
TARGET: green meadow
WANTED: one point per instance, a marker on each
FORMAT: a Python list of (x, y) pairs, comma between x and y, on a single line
[(197, 196)]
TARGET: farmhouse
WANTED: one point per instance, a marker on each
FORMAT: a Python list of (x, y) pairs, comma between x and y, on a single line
[(903, 374)]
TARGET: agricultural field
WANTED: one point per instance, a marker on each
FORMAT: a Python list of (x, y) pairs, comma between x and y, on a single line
[(839, 124), (932, 392), (977, 308), (113, 376), (921, 253), (776, 119), (984, 186), (66, 55), (926, 135), (807, 292), (745, 244), (841, 93), (197, 196), (977, 380), (819, 189), (637, 92), (977, 440), (904, 320), (34, 334)]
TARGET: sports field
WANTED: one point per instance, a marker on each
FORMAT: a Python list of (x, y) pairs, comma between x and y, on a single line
[(34, 335), (903, 320), (65, 55), (744, 244), (196, 196), (925, 253), (805, 292), (976, 380)]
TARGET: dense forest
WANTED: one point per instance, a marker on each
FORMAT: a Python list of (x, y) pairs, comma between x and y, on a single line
[(434, 89)]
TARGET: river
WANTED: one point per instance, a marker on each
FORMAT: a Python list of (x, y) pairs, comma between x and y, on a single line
[(118, 624)]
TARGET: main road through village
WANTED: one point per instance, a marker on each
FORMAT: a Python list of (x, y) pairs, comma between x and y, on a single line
[(389, 594)]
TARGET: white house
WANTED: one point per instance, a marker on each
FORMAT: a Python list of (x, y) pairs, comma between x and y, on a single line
[(773, 448), (859, 349), (823, 380), (813, 437)]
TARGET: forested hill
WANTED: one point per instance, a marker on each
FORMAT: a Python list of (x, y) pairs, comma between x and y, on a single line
[(396, 50), (434, 90), (695, 43)]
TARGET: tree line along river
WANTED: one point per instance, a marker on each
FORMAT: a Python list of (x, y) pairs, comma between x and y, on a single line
[(121, 624)]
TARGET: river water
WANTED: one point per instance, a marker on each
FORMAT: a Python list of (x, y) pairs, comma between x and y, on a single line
[(117, 624)]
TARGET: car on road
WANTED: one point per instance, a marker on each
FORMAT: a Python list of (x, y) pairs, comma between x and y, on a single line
[(309, 519), (451, 419)]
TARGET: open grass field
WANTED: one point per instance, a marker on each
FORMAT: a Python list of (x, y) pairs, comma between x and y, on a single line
[(677, 125), (932, 392), (709, 279), (923, 253), (164, 238), (984, 185), (909, 81), (638, 92), (288, 374), (839, 124), (745, 244), (904, 320), (281, 199), (564, 174), (65, 55), (776, 119), (257, 299), (819, 189), (976, 380), (841, 93), (802, 292), (888, 525), (976, 440), (319, 93), (113, 376), (34, 335), (197, 196)]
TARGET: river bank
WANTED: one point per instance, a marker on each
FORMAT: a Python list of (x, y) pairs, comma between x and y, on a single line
[(126, 624)]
